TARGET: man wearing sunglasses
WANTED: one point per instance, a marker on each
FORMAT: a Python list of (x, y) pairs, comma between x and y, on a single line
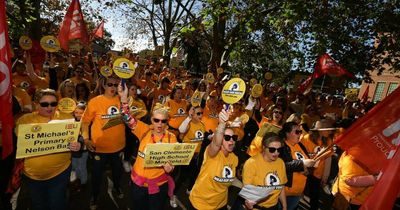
[(105, 144), (218, 170)]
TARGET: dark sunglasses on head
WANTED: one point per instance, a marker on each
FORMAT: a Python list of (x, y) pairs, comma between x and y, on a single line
[(199, 113), (112, 84), (228, 137), (298, 132), (278, 112), (158, 120), (47, 104), (273, 149)]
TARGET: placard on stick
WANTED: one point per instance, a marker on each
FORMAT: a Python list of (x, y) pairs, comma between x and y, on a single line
[(233, 91)]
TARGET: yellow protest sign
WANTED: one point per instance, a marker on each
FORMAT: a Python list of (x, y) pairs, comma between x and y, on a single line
[(177, 154), (210, 78), (256, 91), (66, 105), (112, 121), (220, 70), (268, 75), (233, 90), (124, 68), (106, 71), (50, 44), (46, 138), (196, 98), (268, 127), (253, 81), (25, 42)]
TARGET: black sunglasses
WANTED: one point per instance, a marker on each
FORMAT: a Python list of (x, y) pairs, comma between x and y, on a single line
[(228, 137), (278, 112), (298, 132), (47, 104), (158, 120), (112, 84), (273, 149), (199, 113)]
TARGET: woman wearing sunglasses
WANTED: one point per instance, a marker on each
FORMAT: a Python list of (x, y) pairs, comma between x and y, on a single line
[(47, 176), (218, 170), (268, 170), (150, 186), (296, 159)]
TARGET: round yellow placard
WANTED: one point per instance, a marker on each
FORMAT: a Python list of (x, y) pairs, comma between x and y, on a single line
[(256, 91), (244, 118), (50, 44), (220, 70), (196, 99), (25, 42), (124, 68), (66, 105), (210, 78), (233, 90), (253, 82), (106, 71), (268, 76)]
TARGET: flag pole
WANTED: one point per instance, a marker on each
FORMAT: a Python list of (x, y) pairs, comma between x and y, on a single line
[(323, 82)]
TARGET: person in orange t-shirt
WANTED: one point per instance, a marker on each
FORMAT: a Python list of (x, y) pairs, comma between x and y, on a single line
[(150, 186), (159, 95), (177, 109), (105, 144)]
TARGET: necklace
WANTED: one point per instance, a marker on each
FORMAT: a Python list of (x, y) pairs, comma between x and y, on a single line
[(153, 138)]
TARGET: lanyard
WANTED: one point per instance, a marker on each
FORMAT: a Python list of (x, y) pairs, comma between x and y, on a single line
[(153, 139)]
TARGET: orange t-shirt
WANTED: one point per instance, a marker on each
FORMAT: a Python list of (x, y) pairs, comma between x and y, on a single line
[(177, 112), (195, 134), (210, 119), (160, 95), (145, 86), (143, 132), (313, 149), (99, 110), (299, 179)]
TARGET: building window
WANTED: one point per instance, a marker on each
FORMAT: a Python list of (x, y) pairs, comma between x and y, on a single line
[(379, 91), (392, 87)]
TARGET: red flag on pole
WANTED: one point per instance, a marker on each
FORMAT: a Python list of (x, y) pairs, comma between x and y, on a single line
[(365, 95), (327, 65), (375, 137), (6, 115), (306, 84), (387, 188), (73, 26), (99, 31)]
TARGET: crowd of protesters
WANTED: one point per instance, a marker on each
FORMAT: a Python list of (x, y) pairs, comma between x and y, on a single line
[(157, 105)]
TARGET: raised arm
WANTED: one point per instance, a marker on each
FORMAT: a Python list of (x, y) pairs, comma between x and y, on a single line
[(216, 143), (126, 115)]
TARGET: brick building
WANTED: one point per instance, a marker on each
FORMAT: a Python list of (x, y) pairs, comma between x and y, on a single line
[(382, 86)]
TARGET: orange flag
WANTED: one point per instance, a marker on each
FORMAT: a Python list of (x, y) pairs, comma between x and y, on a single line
[(6, 115), (327, 65), (99, 31), (73, 26)]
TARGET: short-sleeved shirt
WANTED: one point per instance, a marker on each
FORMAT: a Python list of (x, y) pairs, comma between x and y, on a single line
[(299, 179)]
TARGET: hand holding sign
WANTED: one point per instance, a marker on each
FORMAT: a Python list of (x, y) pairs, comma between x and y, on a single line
[(124, 69)]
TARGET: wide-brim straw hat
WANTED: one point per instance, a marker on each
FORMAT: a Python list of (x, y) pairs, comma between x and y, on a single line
[(323, 125)]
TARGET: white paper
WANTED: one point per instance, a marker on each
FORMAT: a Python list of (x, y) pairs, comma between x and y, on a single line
[(251, 104), (255, 193)]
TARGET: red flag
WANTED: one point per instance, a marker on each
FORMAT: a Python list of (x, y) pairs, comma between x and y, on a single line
[(385, 191), (99, 31), (375, 137), (365, 95), (306, 84), (73, 26), (327, 65), (6, 115)]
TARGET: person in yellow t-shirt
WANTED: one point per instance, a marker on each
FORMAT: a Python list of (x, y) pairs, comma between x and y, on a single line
[(150, 186), (320, 137), (218, 170), (105, 144), (23, 98), (296, 159), (47, 176), (268, 170), (210, 116), (353, 182), (177, 109)]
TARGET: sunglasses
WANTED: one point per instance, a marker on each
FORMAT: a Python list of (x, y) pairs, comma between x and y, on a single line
[(273, 149), (228, 137), (158, 120), (298, 132), (111, 84), (199, 113), (278, 112), (47, 104)]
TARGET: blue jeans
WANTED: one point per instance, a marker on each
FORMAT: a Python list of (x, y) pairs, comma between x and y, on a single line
[(49, 194), (80, 168), (292, 202)]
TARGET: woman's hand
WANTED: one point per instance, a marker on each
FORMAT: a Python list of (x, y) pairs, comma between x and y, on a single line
[(249, 204), (123, 93), (224, 115), (168, 167), (90, 146), (75, 146)]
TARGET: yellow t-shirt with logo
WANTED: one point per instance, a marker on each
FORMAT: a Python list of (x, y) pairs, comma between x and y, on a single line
[(299, 179), (143, 132), (99, 111), (44, 167), (177, 112), (257, 171), (210, 190), (195, 134)]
